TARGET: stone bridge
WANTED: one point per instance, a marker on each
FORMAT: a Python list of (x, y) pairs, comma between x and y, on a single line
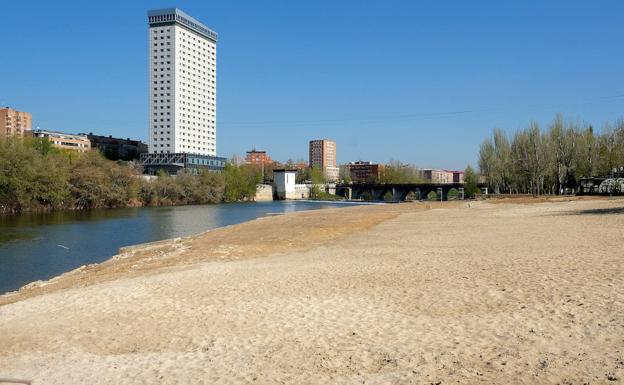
[(397, 192)]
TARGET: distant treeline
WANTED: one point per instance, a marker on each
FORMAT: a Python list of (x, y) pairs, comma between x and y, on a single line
[(34, 176), (536, 161)]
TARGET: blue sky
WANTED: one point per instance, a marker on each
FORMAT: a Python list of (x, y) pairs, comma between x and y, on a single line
[(419, 81)]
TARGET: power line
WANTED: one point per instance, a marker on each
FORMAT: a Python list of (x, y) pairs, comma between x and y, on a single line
[(408, 117)]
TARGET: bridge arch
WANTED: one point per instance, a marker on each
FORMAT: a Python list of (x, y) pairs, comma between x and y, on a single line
[(452, 194)]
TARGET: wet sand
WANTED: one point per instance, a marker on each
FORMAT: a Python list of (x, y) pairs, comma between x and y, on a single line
[(483, 293)]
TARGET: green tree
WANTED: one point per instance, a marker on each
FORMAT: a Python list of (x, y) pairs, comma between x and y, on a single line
[(397, 172), (471, 188), (318, 179), (240, 182), (43, 146), (344, 175)]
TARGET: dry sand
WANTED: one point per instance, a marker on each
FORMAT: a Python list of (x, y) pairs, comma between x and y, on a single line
[(491, 293)]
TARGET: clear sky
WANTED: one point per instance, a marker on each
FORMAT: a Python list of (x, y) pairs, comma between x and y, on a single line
[(419, 81)]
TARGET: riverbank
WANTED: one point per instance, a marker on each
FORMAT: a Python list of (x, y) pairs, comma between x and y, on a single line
[(42, 246), (410, 293), (256, 238)]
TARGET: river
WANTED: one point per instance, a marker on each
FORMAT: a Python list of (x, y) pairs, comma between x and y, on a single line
[(41, 246)]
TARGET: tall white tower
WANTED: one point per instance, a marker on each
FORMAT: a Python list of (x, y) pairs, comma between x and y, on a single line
[(182, 84)]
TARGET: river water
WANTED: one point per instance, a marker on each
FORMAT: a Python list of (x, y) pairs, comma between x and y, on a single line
[(41, 246)]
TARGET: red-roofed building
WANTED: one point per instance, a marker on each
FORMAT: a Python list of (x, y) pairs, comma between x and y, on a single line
[(257, 158)]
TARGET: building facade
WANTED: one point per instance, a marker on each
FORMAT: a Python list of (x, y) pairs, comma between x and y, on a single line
[(117, 148), (173, 163), (284, 184), (14, 122), (458, 176), (182, 88), (443, 176), (257, 158), (363, 172), (64, 141), (322, 154)]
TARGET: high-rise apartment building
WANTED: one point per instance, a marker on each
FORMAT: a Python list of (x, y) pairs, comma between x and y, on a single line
[(182, 90), (14, 122), (323, 155)]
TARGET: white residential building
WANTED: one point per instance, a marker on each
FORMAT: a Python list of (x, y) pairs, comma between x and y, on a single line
[(182, 84), (284, 184)]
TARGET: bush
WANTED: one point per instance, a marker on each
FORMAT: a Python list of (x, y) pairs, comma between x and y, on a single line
[(38, 177), (240, 182), (433, 196)]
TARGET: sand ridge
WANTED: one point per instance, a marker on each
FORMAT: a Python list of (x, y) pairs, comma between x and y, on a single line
[(494, 293)]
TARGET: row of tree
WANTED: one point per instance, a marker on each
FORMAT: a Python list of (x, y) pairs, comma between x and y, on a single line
[(551, 161), (35, 177)]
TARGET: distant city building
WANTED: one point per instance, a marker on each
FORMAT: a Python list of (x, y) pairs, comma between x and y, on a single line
[(173, 163), (257, 158), (14, 122), (323, 155), (443, 176), (117, 148), (182, 91), (64, 141), (363, 172), (437, 176), (458, 176)]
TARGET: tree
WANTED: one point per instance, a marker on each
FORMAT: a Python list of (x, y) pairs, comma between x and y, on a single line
[(495, 162), (503, 164), (345, 175), (43, 146), (240, 182), (470, 183), (89, 182), (539, 162), (397, 172), (586, 157), (318, 179), (562, 148), (487, 159), (303, 175), (316, 175)]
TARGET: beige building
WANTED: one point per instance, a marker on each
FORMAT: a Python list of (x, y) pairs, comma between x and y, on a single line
[(14, 122), (443, 176), (63, 141), (323, 155)]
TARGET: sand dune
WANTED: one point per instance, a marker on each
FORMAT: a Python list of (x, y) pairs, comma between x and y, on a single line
[(492, 293)]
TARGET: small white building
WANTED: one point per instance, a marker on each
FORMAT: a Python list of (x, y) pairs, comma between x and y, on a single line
[(284, 184)]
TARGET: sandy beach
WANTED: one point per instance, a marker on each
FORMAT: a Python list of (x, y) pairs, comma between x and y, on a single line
[(486, 292)]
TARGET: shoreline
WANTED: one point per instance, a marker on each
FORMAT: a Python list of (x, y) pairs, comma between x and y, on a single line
[(167, 245), (141, 252), (84, 252)]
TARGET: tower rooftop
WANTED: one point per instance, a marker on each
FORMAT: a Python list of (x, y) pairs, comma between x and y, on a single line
[(168, 16)]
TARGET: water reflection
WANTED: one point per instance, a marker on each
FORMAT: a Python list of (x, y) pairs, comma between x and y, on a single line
[(40, 246)]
